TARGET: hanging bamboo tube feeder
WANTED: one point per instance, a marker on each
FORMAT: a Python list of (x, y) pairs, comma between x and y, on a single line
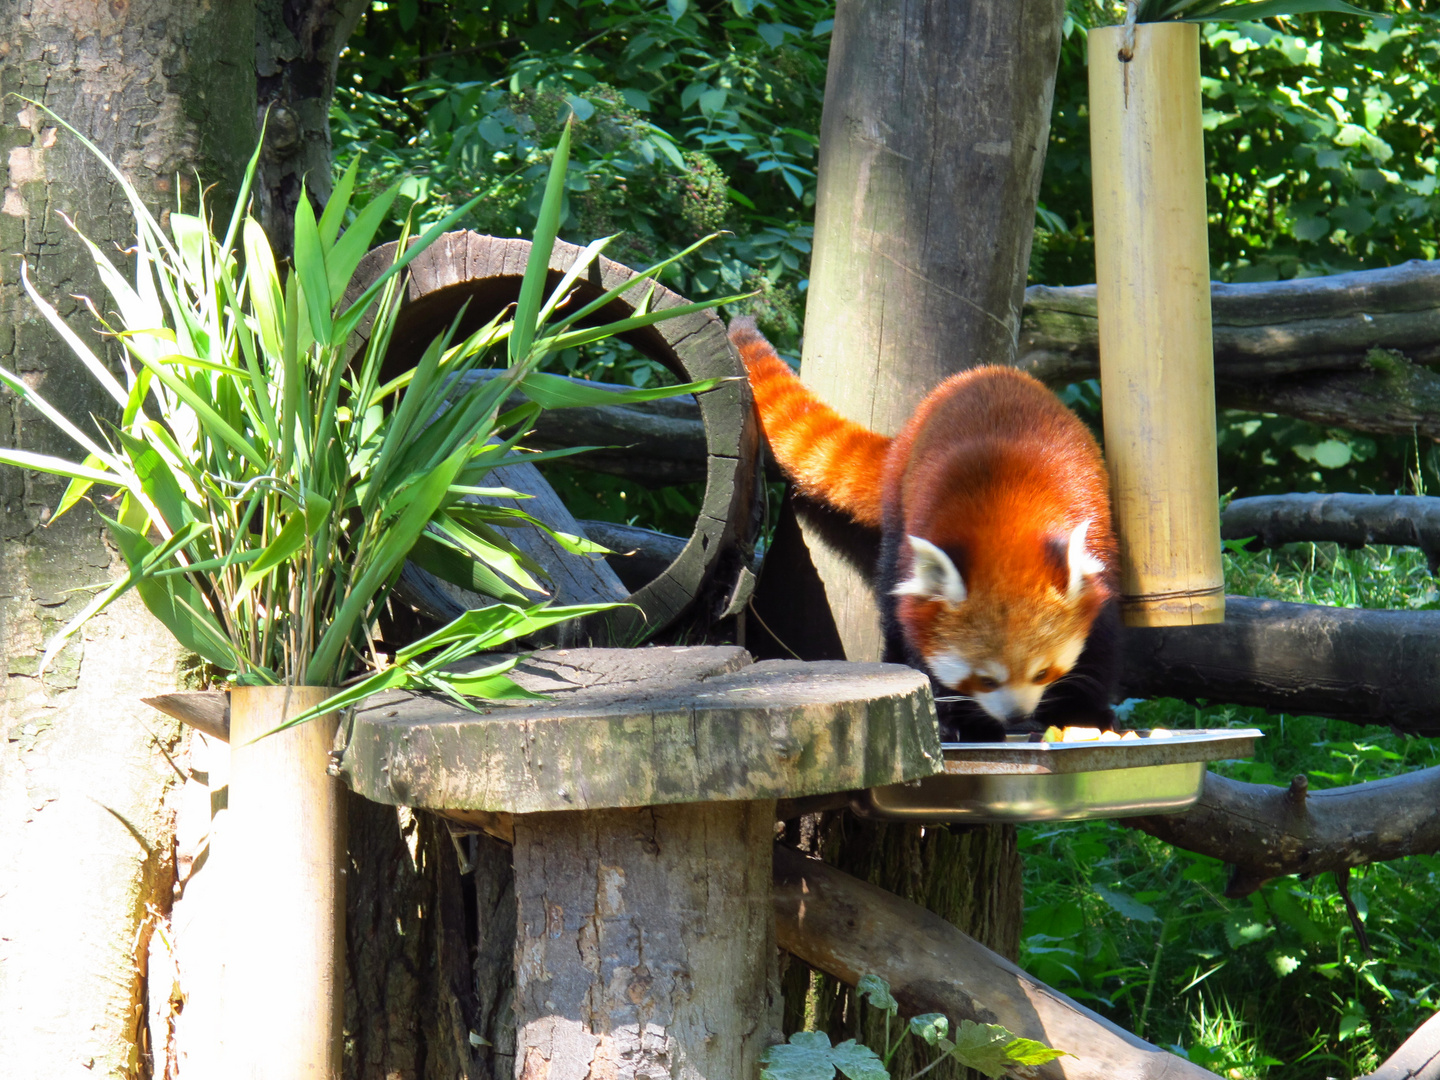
[(1157, 372)]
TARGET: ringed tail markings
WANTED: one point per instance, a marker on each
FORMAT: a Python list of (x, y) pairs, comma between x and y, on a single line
[(834, 460)]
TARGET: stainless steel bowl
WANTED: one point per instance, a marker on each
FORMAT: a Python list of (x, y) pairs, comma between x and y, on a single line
[(1018, 780)]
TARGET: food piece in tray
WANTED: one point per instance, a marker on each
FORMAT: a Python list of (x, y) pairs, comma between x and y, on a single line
[(1071, 734), (1086, 734)]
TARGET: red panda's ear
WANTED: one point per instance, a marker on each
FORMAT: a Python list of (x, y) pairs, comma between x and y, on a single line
[(1080, 562), (933, 575)]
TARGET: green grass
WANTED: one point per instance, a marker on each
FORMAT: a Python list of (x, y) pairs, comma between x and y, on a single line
[(1274, 985)]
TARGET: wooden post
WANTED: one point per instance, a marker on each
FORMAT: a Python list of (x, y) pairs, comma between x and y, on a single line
[(640, 796), (284, 850), (931, 148), (671, 907), (1157, 372)]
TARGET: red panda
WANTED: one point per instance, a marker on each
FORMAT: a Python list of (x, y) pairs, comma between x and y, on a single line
[(998, 561)]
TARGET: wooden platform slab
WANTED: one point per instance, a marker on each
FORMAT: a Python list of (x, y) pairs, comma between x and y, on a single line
[(641, 727)]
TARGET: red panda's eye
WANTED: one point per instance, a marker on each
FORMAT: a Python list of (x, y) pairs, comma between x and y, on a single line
[(987, 684), (1042, 675)]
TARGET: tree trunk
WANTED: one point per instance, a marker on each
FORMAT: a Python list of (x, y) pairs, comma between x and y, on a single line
[(85, 840), (297, 46), (410, 1003), (931, 149), (646, 941)]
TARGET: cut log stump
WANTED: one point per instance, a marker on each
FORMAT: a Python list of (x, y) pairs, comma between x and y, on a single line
[(640, 797)]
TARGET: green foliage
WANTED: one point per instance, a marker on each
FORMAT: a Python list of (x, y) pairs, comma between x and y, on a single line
[(689, 117), (1319, 147), (1274, 984), (1236, 10), (987, 1048), (270, 487)]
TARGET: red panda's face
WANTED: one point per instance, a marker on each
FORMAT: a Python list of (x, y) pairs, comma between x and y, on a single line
[(1001, 643)]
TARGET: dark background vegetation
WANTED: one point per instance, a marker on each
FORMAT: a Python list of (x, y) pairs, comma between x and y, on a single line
[(1321, 152)]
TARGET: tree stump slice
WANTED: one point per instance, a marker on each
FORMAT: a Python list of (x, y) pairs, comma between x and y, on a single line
[(645, 727), (486, 272), (641, 801)]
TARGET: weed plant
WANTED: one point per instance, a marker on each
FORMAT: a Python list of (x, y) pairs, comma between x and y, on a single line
[(1274, 985)]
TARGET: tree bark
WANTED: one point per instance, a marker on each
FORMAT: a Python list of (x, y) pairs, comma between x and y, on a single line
[(646, 942), (1265, 832), (1365, 667), (1343, 350), (931, 148), (158, 86), (1350, 520), (297, 47), (410, 1001)]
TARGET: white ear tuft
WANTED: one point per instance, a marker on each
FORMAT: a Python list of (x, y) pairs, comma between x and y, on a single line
[(1082, 564), (932, 575)]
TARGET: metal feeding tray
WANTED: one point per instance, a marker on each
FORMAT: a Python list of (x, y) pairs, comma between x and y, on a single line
[(1018, 780)]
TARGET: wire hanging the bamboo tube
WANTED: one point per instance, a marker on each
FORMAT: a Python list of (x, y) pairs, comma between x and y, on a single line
[(1157, 371)]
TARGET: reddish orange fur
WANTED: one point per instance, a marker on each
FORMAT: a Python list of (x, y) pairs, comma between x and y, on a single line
[(996, 472), (828, 457)]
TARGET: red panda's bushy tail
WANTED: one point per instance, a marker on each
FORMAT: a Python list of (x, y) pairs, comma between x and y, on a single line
[(828, 457)]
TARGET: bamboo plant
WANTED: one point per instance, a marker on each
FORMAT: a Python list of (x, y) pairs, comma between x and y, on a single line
[(263, 485)]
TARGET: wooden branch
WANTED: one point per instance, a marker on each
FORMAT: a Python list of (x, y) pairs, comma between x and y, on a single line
[(1418, 1057), (1351, 520), (849, 928), (1344, 350), (1366, 667), (1265, 831), (1263, 331)]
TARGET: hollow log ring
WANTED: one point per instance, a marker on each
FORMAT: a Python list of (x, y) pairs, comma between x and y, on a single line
[(709, 572)]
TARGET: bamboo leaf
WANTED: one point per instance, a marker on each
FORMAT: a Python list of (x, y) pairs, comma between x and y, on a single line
[(455, 566), (27, 459), (78, 347), (393, 545), (347, 252), (497, 624), (175, 602), (1266, 9), (407, 254), (581, 264), (157, 481), (290, 539), (572, 339), (333, 215), (497, 557), (264, 283), (238, 212), (214, 425), (310, 268), (547, 226), (626, 286), (75, 490), (56, 417), (558, 392)]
